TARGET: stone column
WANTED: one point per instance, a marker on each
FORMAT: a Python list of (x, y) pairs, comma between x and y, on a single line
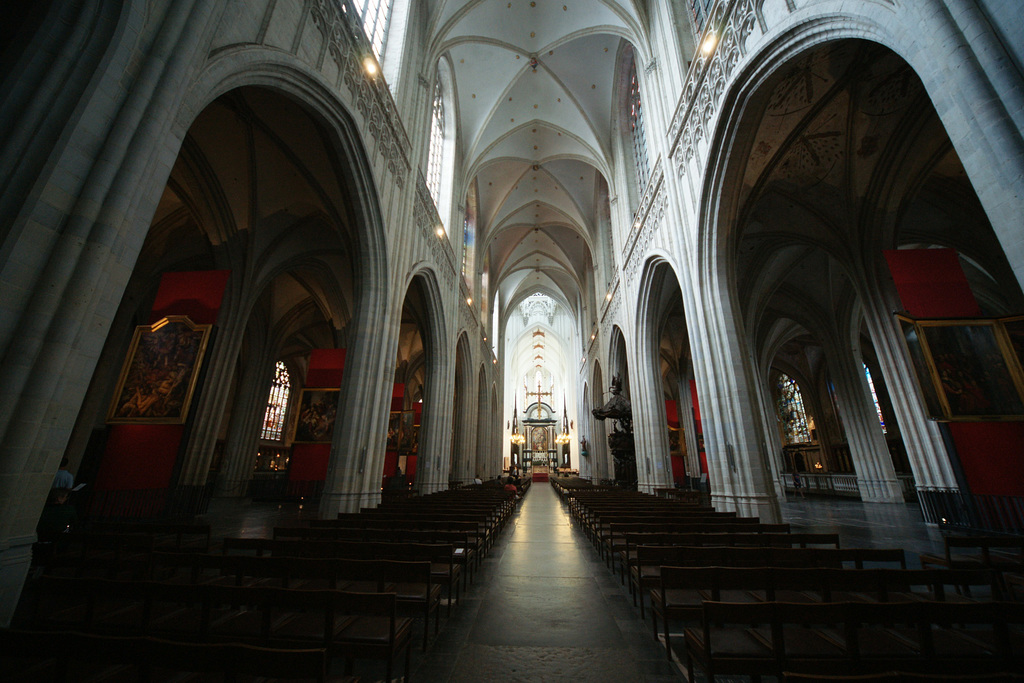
[(650, 428), (739, 471), (247, 412), (925, 448), (876, 477), (364, 405)]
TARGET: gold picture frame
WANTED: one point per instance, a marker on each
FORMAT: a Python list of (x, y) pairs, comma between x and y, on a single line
[(316, 416), (160, 372), (972, 371)]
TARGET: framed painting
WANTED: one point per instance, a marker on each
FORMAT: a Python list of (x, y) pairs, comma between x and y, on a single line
[(922, 368), (406, 434), (318, 410), (415, 440), (674, 442), (160, 372), (394, 427), (973, 369), (1015, 333)]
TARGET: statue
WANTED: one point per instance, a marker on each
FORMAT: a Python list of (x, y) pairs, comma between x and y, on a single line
[(620, 441)]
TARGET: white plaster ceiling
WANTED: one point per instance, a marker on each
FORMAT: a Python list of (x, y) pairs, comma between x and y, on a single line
[(535, 141)]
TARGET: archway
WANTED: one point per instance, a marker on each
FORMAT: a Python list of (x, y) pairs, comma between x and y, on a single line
[(666, 343), (839, 156), (253, 234)]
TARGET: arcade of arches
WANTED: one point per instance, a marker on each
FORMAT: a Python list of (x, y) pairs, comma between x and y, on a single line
[(473, 227)]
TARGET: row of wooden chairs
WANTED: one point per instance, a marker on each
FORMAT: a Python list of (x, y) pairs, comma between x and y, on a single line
[(351, 625), (67, 656), (680, 591), (769, 638)]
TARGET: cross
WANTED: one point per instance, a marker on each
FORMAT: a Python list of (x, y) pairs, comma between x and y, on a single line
[(538, 394)]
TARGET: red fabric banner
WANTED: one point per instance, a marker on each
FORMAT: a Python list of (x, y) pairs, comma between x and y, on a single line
[(142, 456), (309, 462), (698, 427), (672, 414), (139, 457), (197, 294), (326, 367), (397, 397), (991, 454), (931, 283)]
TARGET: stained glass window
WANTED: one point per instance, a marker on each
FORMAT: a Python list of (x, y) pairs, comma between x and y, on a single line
[(466, 237), (436, 145), (375, 14), (636, 124), (791, 411), (874, 397), (277, 403)]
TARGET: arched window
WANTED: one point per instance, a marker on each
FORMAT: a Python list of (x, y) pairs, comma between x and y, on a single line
[(436, 145), (874, 397), (636, 126), (701, 9), (791, 411), (466, 238), (277, 404), (375, 14)]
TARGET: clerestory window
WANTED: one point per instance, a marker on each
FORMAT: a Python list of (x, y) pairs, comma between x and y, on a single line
[(636, 124), (375, 14), (436, 145)]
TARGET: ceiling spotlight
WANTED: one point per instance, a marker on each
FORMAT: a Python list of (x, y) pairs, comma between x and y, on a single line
[(592, 336), (370, 65), (440, 231), (608, 296), (469, 301)]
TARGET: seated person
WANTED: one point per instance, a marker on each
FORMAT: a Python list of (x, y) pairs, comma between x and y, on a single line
[(511, 487)]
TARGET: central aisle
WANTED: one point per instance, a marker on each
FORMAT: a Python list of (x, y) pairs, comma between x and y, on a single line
[(545, 608)]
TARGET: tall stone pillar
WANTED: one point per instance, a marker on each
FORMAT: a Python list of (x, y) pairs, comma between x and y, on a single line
[(739, 472), (876, 477), (925, 448), (247, 412), (650, 430)]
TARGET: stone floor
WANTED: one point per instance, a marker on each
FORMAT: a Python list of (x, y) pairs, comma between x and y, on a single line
[(546, 609)]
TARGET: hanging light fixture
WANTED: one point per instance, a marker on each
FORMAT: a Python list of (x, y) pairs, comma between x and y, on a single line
[(563, 438), (516, 439)]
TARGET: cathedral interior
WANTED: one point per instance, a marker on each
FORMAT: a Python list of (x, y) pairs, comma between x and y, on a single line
[(268, 262)]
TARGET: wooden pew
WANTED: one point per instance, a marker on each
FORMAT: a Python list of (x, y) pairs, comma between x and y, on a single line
[(59, 657), (768, 638), (682, 590), (346, 624), (650, 560)]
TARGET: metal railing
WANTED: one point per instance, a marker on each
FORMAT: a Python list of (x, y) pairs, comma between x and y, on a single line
[(951, 508)]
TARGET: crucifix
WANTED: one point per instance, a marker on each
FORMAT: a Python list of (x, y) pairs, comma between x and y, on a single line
[(538, 394)]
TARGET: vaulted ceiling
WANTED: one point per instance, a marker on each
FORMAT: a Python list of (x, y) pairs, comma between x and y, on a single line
[(533, 88)]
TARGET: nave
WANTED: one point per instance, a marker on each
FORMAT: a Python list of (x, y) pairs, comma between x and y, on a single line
[(540, 606)]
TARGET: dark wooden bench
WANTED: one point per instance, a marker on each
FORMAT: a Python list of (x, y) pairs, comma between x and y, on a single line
[(167, 536), (768, 638), (1004, 554), (347, 624), (628, 558), (650, 559), (412, 581), (682, 590), (67, 656)]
